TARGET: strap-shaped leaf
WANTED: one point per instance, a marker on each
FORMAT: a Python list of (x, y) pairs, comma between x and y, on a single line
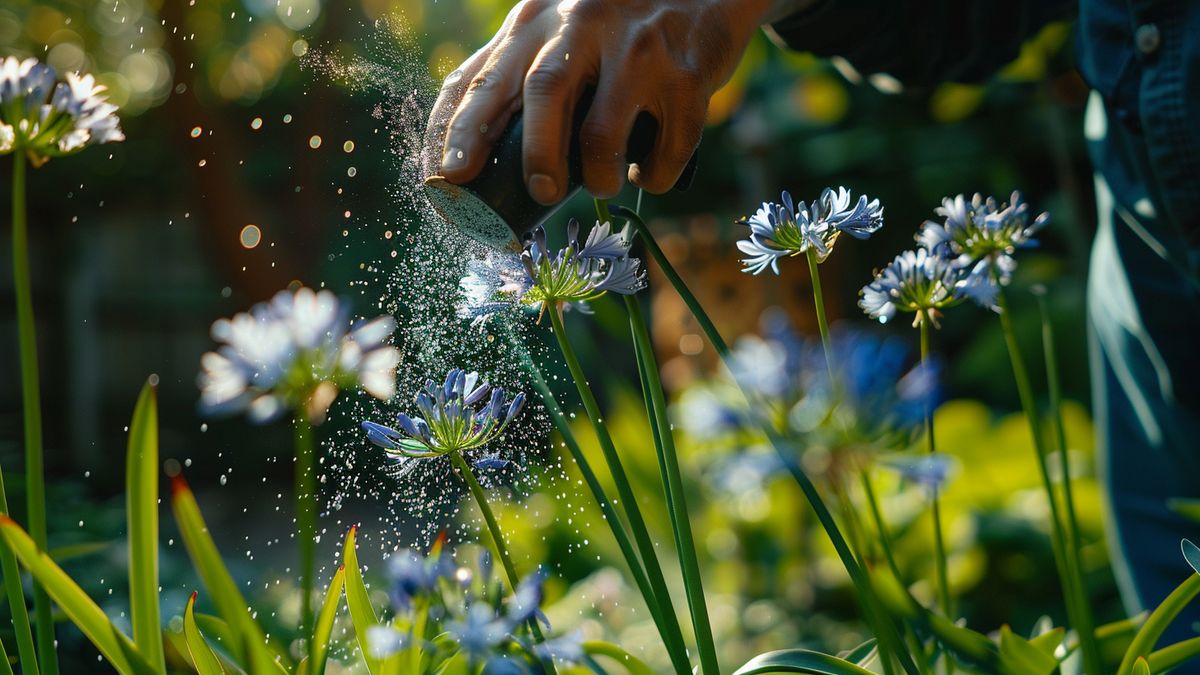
[(324, 626), (249, 644), (141, 502), (799, 661), (114, 645), (1141, 667), (1018, 655), (361, 614), (203, 658), (628, 661)]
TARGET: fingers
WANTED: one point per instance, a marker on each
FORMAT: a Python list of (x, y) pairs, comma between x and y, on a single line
[(451, 93), (552, 87), (491, 98), (680, 125), (605, 135)]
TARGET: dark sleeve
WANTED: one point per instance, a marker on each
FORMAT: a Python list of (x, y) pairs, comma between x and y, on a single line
[(920, 42)]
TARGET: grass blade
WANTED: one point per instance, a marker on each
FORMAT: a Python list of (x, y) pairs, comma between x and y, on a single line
[(141, 490), (324, 625), (357, 600), (249, 646), (203, 658), (114, 645)]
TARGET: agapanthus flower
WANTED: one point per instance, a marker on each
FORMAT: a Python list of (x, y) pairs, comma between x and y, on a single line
[(295, 353), (45, 117), (486, 625), (920, 282), (577, 273), (877, 398), (982, 234), (567, 279), (413, 575), (788, 229), (459, 415)]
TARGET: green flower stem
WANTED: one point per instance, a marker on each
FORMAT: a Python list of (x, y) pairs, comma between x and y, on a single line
[(634, 514), (1062, 552), (673, 480), (857, 576), (1162, 616), (885, 541), (943, 581), (1086, 623), (35, 479), (497, 536), (306, 519), (819, 306), (664, 618)]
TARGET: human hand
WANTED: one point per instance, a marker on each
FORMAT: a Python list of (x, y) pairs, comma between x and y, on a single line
[(666, 57)]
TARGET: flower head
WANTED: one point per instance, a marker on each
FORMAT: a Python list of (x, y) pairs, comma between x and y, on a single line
[(577, 273), (982, 231), (567, 279), (414, 575), (48, 118), (788, 229), (294, 352), (459, 415), (922, 283)]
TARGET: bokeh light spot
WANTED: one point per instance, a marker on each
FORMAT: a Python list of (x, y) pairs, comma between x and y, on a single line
[(314, 142), (250, 236)]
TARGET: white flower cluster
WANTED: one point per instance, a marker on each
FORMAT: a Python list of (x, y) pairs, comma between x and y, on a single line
[(47, 117), (295, 352)]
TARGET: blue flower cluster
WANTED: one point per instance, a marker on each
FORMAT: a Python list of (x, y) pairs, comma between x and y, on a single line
[(471, 608), (538, 277), (968, 256), (792, 228), (459, 415)]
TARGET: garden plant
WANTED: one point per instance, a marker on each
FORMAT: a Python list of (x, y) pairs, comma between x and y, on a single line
[(851, 401)]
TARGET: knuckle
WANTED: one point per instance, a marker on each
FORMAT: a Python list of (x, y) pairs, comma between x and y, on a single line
[(546, 79), (527, 11), (583, 10)]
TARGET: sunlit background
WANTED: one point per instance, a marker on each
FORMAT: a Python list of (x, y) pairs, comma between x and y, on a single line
[(270, 142)]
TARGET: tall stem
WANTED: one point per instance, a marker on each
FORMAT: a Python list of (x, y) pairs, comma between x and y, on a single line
[(673, 479), (1085, 621), (35, 479), (493, 526), (306, 520), (664, 618), (632, 511), (857, 576), (1029, 405), (819, 306), (943, 582)]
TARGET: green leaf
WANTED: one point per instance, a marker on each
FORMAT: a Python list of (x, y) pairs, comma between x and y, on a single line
[(1191, 553), (799, 661), (61, 554), (1141, 667), (141, 499), (361, 614), (861, 653), (324, 626), (1021, 657), (1048, 641), (114, 645), (632, 664), (203, 658), (249, 644)]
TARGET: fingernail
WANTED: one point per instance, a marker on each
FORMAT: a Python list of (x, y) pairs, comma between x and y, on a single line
[(542, 188), (453, 159)]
